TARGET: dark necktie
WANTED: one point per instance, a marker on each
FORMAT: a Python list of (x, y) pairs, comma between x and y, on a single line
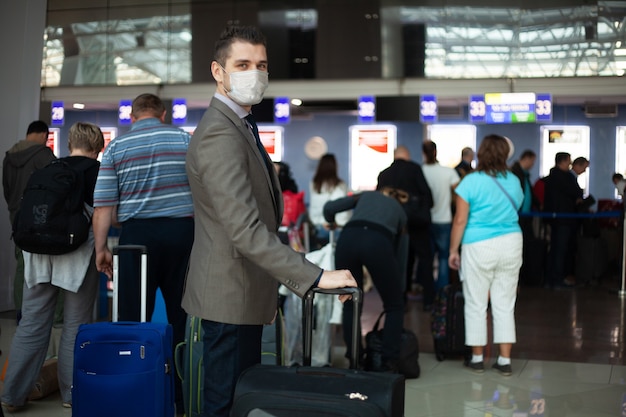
[(255, 130), (266, 158)]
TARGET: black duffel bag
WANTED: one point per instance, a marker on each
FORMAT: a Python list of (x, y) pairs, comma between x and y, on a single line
[(408, 364)]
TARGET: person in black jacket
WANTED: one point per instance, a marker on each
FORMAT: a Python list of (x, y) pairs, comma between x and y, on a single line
[(406, 175), (24, 157), (521, 169), (465, 166), (562, 195), (374, 238)]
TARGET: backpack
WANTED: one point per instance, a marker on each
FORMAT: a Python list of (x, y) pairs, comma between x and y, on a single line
[(53, 218)]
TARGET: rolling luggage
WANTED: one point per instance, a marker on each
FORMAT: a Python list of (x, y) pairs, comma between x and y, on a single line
[(189, 359), (319, 391), (448, 323), (534, 267), (592, 259), (124, 368)]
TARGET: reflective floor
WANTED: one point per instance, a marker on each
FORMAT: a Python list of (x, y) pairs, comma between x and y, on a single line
[(569, 360)]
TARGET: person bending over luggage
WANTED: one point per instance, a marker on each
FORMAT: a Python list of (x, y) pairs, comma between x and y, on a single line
[(486, 223), (45, 276), (375, 237)]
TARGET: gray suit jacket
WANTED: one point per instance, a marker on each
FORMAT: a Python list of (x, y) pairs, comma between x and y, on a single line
[(237, 257)]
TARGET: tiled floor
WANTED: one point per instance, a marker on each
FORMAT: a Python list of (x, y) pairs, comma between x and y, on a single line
[(570, 360)]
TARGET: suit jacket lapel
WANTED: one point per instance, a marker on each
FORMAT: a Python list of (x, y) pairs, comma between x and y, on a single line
[(245, 131)]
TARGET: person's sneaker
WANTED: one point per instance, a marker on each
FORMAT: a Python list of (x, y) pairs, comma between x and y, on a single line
[(478, 367), (504, 370), (13, 408), (67, 404)]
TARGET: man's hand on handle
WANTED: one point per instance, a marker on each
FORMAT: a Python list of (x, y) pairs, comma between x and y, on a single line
[(338, 279)]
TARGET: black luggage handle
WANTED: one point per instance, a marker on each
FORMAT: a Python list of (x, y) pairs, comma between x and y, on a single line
[(143, 250), (138, 248), (307, 317)]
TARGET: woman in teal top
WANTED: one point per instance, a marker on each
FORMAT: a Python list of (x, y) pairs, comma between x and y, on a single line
[(486, 223)]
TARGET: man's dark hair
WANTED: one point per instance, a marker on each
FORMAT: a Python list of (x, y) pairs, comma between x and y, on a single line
[(528, 154), (37, 127), (231, 34), (467, 151), (147, 104), (581, 160), (560, 157), (430, 151)]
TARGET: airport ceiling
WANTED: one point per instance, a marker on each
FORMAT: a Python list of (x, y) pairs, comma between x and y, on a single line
[(575, 47)]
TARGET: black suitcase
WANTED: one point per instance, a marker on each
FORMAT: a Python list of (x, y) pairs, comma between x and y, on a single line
[(448, 323), (592, 259), (533, 268), (266, 390)]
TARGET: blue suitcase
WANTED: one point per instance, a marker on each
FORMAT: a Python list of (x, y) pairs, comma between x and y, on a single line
[(124, 368)]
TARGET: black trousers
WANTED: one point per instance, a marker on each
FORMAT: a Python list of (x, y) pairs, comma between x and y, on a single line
[(361, 246), (420, 251), (169, 242), (561, 234)]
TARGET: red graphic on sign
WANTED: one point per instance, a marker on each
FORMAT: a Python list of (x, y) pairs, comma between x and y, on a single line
[(107, 139), (377, 140), (268, 139), (50, 141)]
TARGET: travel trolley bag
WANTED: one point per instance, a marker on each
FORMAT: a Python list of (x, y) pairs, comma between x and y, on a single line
[(265, 390), (124, 368), (448, 323), (188, 358)]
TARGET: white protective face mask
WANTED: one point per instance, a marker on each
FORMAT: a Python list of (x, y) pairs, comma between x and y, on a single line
[(247, 87)]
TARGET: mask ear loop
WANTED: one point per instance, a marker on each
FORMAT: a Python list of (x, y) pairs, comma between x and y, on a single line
[(227, 73)]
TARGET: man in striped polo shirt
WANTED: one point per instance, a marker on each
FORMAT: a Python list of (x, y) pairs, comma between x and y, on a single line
[(142, 185)]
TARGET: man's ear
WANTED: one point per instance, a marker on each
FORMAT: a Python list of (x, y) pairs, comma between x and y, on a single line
[(162, 117), (216, 71)]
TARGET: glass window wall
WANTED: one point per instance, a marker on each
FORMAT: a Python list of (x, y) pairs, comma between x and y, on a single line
[(150, 41)]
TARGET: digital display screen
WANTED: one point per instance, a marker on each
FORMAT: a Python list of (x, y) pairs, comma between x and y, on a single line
[(398, 108), (510, 107), (506, 108)]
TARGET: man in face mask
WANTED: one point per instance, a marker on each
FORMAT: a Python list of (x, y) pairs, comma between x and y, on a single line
[(237, 259)]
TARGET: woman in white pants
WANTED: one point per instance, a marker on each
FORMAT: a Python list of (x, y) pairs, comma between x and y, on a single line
[(486, 223)]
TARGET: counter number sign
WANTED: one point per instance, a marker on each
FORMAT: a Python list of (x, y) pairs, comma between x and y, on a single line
[(428, 109), (367, 109), (57, 116), (124, 111)]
